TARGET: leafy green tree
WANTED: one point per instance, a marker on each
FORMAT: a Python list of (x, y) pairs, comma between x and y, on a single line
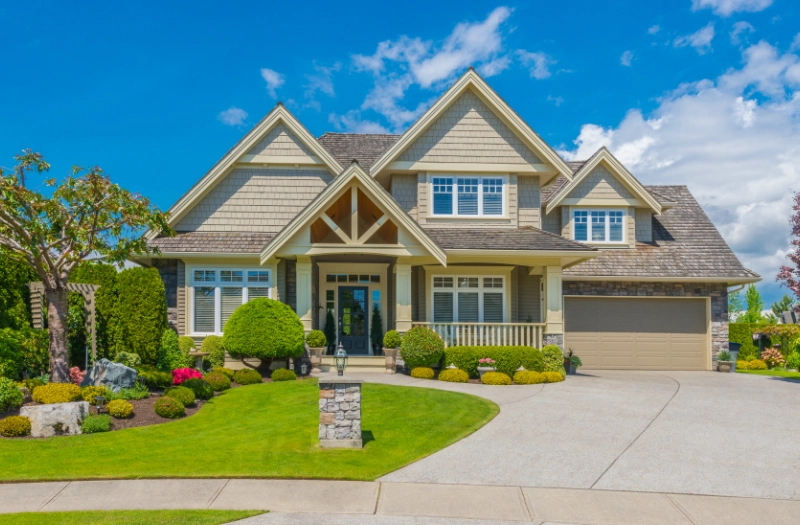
[(142, 310), (755, 306), (790, 275), (784, 304), (14, 292), (53, 231), (735, 306), (104, 275)]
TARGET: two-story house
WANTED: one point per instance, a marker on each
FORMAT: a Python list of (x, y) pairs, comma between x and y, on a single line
[(468, 223)]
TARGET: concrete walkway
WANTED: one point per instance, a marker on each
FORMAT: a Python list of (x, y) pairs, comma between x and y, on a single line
[(339, 502)]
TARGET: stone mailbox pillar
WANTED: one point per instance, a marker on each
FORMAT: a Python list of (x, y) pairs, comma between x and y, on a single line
[(340, 413)]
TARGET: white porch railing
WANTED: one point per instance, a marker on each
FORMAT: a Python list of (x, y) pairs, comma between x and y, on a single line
[(488, 334)]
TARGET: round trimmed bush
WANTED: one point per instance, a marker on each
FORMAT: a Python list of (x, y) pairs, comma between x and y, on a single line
[(185, 345), (56, 393), (316, 339), (742, 365), (224, 371), (756, 364), (182, 394), (553, 358), (200, 387), (10, 395), (169, 408), (15, 426), (119, 409), (90, 393), (216, 350), (528, 377), (247, 376), (421, 346), (218, 382), (453, 375), (129, 359), (507, 359), (264, 329), (392, 339), (169, 354), (495, 378), (422, 372), (283, 374), (552, 377)]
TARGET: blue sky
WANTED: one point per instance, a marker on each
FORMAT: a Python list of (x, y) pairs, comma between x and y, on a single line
[(698, 92)]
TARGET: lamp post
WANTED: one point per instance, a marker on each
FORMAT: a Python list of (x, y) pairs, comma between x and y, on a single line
[(340, 358), (98, 400)]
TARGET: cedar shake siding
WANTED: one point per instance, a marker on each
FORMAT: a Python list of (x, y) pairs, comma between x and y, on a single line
[(644, 225), (600, 184), (280, 142), (529, 201), (404, 191)]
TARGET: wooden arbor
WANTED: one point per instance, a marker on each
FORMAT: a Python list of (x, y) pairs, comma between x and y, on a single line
[(86, 290)]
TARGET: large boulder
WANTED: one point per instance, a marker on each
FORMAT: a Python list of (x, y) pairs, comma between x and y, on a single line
[(57, 419), (113, 376)]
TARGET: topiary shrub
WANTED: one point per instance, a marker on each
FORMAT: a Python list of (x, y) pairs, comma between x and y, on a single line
[(554, 359), (128, 359), (154, 379), (422, 372), (454, 375), (316, 339), (119, 408), (507, 359), (56, 393), (90, 393), (756, 364), (392, 339), (247, 376), (216, 351), (282, 374), (181, 393), (142, 311), (742, 333), (528, 377), (95, 423), (186, 345), (169, 408), (421, 346), (264, 329), (169, 354), (200, 387), (552, 377), (218, 382), (495, 378), (15, 426), (224, 371), (10, 395)]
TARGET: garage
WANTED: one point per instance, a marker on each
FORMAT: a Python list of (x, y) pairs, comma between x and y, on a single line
[(638, 333)]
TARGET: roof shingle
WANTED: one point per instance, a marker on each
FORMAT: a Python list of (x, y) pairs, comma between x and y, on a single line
[(526, 238), (212, 242), (366, 148)]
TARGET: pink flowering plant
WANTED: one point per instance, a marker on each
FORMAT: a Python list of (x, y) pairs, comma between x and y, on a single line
[(773, 357), (179, 375), (76, 375), (487, 362)]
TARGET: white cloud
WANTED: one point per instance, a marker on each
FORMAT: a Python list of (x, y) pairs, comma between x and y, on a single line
[(654, 29), (795, 43), (320, 81), (700, 40), (738, 29), (232, 116), (626, 59), (495, 67), (352, 121), (273, 79), (555, 100), (728, 7), (734, 141), (537, 63)]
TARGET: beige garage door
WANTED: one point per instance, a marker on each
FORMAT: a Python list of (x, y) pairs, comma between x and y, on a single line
[(637, 333)]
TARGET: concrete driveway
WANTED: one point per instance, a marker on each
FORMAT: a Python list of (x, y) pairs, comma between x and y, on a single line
[(674, 432)]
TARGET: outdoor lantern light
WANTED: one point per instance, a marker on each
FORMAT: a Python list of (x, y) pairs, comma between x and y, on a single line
[(303, 369), (341, 359), (98, 402)]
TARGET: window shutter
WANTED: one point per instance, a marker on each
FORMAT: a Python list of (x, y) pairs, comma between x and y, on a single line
[(468, 308), (493, 196), (257, 293), (468, 196), (204, 309), (231, 299), (492, 307), (442, 307)]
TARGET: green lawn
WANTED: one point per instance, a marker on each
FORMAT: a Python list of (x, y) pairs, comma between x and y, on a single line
[(129, 517), (259, 431), (776, 373)]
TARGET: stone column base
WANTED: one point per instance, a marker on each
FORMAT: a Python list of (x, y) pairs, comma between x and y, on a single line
[(341, 443), (553, 339)]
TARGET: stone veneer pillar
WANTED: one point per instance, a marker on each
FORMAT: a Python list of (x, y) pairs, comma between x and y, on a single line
[(340, 413)]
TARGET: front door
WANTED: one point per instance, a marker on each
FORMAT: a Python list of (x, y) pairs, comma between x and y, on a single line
[(353, 319)]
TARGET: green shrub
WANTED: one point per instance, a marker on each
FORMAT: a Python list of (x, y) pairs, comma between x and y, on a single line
[(15, 426), (264, 329), (128, 359), (422, 372), (453, 375), (56, 393), (553, 377), (21, 350), (793, 361), (495, 378), (154, 379), (32, 383), (14, 292), (528, 377), (96, 423), (316, 339), (142, 310), (216, 351), (119, 409), (392, 339), (742, 333), (218, 382), (224, 371), (10, 395), (200, 387), (169, 408), (554, 360), (421, 346), (247, 376), (186, 345), (90, 393), (283, 374), (507, 359), (105, 298), (181, 393), (742, 365), (138, 391), (169, 353), (756, 364)]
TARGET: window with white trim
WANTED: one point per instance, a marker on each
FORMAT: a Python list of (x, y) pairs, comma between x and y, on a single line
[(468, 299), (468, 196), (598, 226), (216, 293)]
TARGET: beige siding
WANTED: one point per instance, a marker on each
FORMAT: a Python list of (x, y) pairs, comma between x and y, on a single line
[(510, 221), (404, 191), (631, 226), (529, 201), (281, 142), (566, 222), (422, 197), (468, 131), (551, 222), (262, 200), (181, 303), (514, 291), (644, 225), (600, 184), (528, 296)]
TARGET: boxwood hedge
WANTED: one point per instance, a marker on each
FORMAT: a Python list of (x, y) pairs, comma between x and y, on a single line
[(508, 358)]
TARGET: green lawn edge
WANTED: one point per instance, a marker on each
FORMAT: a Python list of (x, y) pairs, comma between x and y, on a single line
[(773, 373), (129, 517)]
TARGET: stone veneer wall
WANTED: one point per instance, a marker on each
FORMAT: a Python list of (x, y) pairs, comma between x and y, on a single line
[(340, 411), (168, 270), (718, 292)]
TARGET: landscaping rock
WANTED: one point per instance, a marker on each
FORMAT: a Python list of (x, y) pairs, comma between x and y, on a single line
[(56, 419), (113, 376)]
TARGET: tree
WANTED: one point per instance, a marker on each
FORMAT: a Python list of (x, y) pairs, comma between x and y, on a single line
[(14, 293), (53, 232), (790, 275), (755, 305), (142, 313), (376, 329), (735, 306), (784, 304), (330, 329)]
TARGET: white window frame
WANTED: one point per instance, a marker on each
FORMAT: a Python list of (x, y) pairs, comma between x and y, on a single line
[(454, 195), (218, 284), (480, 290), (607, 211)]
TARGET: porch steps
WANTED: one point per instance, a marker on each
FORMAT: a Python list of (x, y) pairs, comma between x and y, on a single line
[(360, 363)]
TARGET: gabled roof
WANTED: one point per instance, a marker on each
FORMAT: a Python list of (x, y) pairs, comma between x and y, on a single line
[(603, 156), (472, 81), (279, 114), (374, 191), (363, 147), (526, 238)]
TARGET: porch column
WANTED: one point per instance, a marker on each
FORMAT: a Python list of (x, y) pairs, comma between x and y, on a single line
[(402, 272), (304, 307), (553, 301)]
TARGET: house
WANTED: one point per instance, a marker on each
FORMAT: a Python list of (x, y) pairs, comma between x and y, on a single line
[(468, 223)]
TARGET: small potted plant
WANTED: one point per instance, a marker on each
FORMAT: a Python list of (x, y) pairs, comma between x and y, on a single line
[(317, 344), (486, 364), (724, 361), (572, 363), (391, 342)]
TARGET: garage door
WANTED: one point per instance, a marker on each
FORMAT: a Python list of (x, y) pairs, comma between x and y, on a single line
[(637, 333)]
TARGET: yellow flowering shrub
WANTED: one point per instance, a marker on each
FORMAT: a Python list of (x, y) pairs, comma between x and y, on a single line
[(529, 377), (14, 426), (56, 393), (552, 377), (495, 378), (422, 372), (453, 375), (89, 393)]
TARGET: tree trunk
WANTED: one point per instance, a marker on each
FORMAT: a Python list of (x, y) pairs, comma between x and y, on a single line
[(57, 309)]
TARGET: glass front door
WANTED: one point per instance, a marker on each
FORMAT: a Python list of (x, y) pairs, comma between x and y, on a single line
[(354, 319)]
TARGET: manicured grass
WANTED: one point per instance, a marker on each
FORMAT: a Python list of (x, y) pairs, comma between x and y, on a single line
[(129, 517), (776, 373), (259, 431)]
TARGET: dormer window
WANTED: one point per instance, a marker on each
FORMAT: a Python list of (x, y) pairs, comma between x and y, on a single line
[(468, 196), (598, 226)]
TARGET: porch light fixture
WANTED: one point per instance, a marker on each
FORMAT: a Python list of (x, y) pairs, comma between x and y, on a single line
[(98, 402), (303, 369), (340, 358)]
